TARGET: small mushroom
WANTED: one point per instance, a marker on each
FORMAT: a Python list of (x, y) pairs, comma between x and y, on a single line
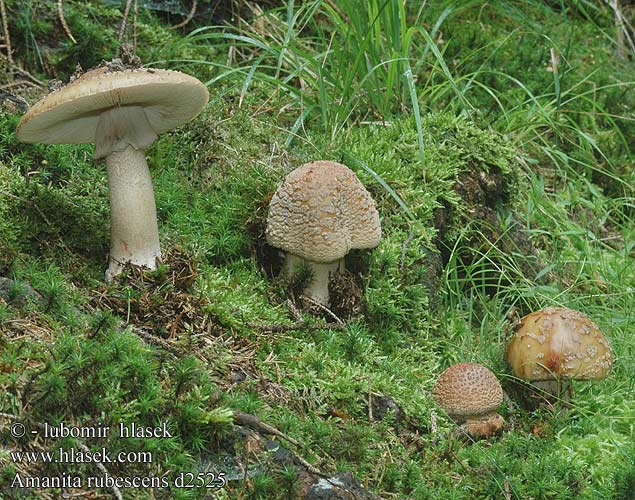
[(558, 343), (470, 394), (122, 112), (317, 215)]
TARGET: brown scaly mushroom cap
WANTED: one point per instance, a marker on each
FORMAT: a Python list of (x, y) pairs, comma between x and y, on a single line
[(318, 214), (122, 112), (559, 343), (470, 393)]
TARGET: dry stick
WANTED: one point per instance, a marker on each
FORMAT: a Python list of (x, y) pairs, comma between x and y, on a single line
[(60, 14), (622, 35), (5, 32), (189, 17), (163, 344), (134, 26), (293, 310), (507, 489), (433, 422), (103, 470), (277, 327), (21, 83), (19, 102), (619, 26), (324, 308), (370, 402), (248, 420), (9, 195), (122, 28), (404, 247), (513, 409), (28, 75), (85, 448), (628, 30)]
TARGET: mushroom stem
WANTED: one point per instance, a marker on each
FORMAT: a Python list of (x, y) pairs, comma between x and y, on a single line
[(318, 288), (554, 389), (134, 229)]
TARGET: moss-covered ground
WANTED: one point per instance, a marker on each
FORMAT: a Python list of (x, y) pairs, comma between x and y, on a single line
[(508, 187)]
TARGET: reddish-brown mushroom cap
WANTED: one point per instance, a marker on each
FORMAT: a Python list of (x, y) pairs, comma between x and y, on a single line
[(559, 343), (467, 390)]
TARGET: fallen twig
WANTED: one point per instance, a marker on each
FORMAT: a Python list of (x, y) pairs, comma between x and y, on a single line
[(26, 74), (324, 308), (370, 402), (103, 470), (152, 339), (60, 14), (404, 247), (134, 26), (189, 17), (122, 28), (293, 310), (5, 32), (622, 36), (19, 83), (28, 202), (248, 420), (506, 487), (512, 407), (18, 102), (276, 327)]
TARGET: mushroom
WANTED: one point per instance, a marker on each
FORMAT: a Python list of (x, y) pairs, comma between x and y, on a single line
[(122, 112), (317, 215), (558, 343), (470, 394)]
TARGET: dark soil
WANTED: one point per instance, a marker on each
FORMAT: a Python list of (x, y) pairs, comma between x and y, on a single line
[(162, 301), (485, 195)]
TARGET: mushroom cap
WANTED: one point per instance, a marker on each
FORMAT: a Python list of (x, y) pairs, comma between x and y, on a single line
[(559, 343), (70, 115), (321, 211), (467, 390)]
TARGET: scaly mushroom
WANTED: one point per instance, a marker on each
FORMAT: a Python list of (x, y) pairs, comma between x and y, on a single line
[(122, 112), (470, 394), (317, 215), (558, 343)]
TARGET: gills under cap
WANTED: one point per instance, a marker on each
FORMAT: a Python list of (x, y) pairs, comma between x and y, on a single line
[(321, 211), (70, 115)]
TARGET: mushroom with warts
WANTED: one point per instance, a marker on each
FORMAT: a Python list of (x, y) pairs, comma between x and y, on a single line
[(557, 343), (470, 394), (122, 112), (317, 215)]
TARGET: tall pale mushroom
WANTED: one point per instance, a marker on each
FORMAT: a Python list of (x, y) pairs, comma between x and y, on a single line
[(317, 215), (122, 112), (557, 344), (470, 394)]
